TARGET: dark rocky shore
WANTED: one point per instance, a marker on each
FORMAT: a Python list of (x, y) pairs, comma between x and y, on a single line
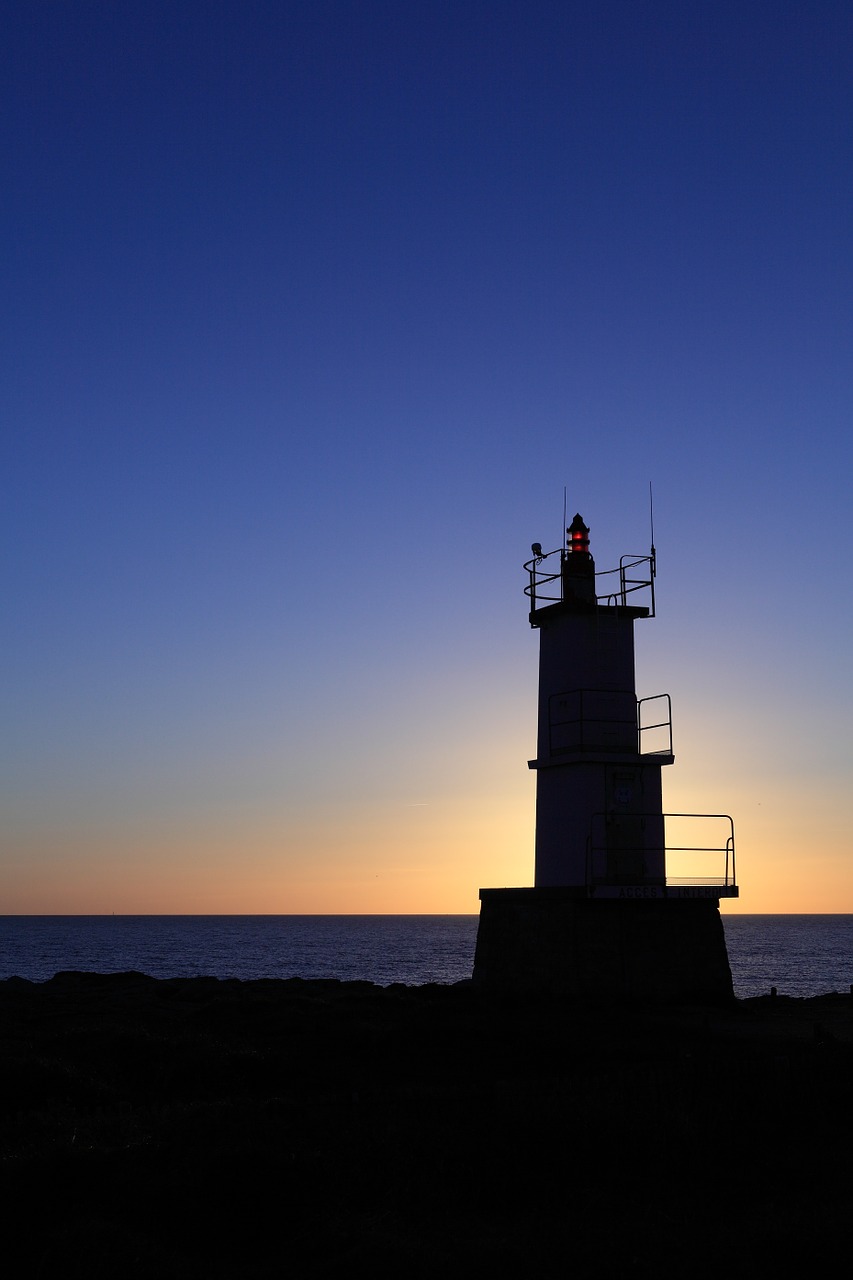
[(204, 1128)]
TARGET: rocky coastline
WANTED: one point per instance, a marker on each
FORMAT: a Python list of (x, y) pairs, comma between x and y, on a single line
[(205, 1128)]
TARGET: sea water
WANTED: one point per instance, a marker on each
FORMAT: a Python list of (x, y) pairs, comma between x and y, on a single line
[(799, 955), (380, 949)]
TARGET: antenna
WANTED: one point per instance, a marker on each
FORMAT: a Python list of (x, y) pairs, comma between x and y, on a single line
[(563, 533), (652, 523)]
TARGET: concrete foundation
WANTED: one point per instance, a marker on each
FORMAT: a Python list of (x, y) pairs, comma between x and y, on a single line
[(560, 941)]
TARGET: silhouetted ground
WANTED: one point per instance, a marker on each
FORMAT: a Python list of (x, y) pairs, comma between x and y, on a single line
[(198, 1128)]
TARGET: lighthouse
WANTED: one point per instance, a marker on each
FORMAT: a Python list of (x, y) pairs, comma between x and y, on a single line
[(626, 897)]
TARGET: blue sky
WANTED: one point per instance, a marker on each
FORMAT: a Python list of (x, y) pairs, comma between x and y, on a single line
[(312, 313)]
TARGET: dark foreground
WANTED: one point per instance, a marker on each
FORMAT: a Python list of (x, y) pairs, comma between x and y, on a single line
[(197, 1128)]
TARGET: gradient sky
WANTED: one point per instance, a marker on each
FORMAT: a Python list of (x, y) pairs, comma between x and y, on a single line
[(311, 312)]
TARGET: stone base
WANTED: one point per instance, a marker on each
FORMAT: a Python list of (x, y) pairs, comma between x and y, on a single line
[(562, 942)]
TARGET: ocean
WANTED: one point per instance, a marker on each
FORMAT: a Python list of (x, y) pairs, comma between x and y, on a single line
[(799, 955)]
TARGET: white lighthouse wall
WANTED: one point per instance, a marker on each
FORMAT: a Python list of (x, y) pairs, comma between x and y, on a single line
[(590, 651), (598, 802), (599, 823), (566, 800)]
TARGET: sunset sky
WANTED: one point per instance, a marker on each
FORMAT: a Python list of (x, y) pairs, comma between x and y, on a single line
[(312, 310)]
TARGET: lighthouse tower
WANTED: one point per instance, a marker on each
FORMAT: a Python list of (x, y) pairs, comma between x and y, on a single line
[(626, 897)]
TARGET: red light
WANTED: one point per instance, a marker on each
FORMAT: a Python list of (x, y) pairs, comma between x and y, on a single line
[(579, 535)]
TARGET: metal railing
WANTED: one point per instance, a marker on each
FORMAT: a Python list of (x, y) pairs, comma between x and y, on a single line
[(545, 586), (653, 860), (609, 720), (540, 578), (665, 726)]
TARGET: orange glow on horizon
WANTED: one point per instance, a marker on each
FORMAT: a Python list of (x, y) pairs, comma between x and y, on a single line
[(418, 859)]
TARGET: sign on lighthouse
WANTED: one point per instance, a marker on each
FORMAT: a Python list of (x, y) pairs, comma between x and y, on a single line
[(608, 859)]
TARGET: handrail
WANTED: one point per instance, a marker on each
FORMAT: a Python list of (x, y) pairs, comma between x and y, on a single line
[(728, 879), (660, 724), (592, 722), (539, 579)]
